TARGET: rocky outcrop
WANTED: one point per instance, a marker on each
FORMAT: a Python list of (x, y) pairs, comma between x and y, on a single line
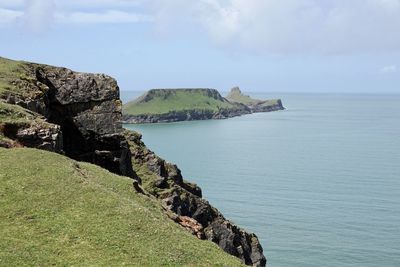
[(184, 204), (45, 136), (254, 105), (86, 110), (267, 106)]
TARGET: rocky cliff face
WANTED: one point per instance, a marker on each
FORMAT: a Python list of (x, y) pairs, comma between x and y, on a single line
[(85, 109), (184, 204)]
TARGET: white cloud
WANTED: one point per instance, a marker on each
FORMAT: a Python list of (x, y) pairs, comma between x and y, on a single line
[(297, 26), (9, 16), (389, 69), (76, 4), (38, 14), (109, 16), (267, 26), (11, 3)]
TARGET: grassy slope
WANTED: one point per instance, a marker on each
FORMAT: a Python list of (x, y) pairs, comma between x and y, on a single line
[(9, 71), (14, 113), (178, 101), (57, 211)]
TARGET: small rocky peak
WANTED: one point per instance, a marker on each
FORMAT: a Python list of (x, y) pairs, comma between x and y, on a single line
[(236, 90)]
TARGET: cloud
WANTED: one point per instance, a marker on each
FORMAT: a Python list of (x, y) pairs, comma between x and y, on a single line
[(38, 15), (109, 16), (77, 4), (11, 3), (389, 69), (8, 16), (297, 26), (263, 26)]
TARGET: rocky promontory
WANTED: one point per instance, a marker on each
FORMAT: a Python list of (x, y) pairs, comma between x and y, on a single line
[(79, 115), (255, 105), (172, 105)]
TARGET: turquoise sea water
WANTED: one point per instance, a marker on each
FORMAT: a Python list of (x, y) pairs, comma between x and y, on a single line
[(318, 183)]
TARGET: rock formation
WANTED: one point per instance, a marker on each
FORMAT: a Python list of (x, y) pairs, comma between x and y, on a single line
[(164, 181), (84, 109)]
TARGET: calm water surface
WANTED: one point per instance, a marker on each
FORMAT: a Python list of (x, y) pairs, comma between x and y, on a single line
[(318, 183)]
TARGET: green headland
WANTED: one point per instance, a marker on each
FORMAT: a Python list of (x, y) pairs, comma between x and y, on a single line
[(161, 101), (169, 105)]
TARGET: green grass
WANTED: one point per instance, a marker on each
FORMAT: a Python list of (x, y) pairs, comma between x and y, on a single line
[(18, 78), (55, 211), (15, 114), (163, 102), (10, 71)]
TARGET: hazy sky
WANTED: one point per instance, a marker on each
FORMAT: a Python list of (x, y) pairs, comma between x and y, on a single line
[(260, 45)]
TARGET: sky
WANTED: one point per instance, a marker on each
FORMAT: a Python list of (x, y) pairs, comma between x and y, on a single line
[(323, 46)]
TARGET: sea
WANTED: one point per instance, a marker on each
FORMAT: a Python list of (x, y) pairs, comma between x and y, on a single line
[(319, 183)]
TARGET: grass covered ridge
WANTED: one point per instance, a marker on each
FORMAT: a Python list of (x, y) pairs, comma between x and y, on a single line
[(162, 101), (56, 211), (10, 71)]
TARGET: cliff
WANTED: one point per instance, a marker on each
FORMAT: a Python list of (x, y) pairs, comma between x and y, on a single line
[(79, 115), (164, 181)]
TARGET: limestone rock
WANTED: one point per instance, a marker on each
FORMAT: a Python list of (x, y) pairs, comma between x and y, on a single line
[(86, 109)]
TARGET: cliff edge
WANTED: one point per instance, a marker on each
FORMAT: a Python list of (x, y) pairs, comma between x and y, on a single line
[(79, 115)]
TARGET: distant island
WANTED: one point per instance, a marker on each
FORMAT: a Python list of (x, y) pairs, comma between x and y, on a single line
[(172, 105)]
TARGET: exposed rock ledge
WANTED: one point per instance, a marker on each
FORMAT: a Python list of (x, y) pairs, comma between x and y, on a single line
[(185, 205), (186, 115), (85, 109), (79, 115)]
